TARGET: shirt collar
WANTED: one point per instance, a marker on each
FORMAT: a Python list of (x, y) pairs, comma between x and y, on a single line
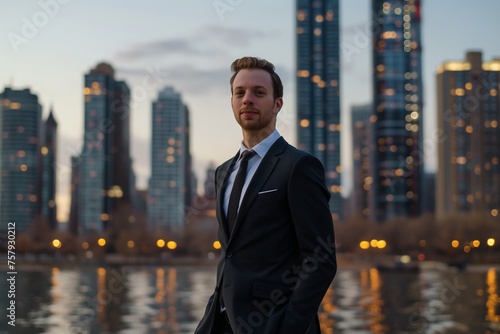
[(264, 146)]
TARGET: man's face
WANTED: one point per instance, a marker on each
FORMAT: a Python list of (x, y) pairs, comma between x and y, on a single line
[(253, 102)]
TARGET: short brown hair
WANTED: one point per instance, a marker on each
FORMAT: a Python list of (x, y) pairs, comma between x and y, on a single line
[(261, 64)]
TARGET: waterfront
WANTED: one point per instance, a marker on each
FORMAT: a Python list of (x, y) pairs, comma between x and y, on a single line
[(171, 299)]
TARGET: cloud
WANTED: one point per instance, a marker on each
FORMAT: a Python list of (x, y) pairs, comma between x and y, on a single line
[(203, 43), (185, 77), (235, 36), (161, 48)]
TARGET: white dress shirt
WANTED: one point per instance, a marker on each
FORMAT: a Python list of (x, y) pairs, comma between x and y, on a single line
[(261, 149)]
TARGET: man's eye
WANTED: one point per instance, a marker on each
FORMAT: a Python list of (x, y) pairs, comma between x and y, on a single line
[(238, 93), (259, 92)]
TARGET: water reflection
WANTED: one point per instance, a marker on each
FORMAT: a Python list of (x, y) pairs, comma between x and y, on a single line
[(493, 301), (127, 299), (432, 301)]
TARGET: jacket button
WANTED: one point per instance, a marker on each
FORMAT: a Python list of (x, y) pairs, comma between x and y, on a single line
[(229, 254)]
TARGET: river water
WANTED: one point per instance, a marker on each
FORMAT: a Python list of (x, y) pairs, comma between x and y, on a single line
[(171, 299)]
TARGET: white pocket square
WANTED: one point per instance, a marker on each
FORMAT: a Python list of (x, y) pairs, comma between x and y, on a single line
[(267, 191)]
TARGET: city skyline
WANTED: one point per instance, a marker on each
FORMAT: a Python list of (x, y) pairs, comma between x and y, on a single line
[(53, 59)]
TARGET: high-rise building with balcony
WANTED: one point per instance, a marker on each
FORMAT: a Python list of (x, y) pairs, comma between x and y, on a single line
[(318, 89), (105, 163), (169, 185), (20, 158), (468, 175), (398, 128)]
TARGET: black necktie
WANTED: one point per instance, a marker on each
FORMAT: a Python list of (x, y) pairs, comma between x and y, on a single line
[(239, 181)]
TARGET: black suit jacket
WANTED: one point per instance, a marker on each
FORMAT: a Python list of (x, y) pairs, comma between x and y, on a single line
[(280, 259)]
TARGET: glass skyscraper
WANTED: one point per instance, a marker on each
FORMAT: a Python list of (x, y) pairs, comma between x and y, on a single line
[(397, 86), (20, 159), (468, 176), (169, 185), (105, 163), (318, 87)]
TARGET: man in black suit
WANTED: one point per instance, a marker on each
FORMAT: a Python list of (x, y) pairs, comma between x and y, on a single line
[(278, 251)]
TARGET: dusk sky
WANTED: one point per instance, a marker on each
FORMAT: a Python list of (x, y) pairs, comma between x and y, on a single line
[(49, 45)]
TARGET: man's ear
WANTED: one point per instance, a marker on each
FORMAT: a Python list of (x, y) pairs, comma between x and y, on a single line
[(278, 104)]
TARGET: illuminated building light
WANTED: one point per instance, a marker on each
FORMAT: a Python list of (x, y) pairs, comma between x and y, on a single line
[(303, 73), (301, 15), (491, 66), (453, 66)]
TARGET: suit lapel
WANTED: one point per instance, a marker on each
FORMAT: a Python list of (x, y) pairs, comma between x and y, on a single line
[(265, 169)]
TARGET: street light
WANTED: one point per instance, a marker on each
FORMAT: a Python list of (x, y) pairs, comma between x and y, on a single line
[(364, 244), (217, 244), (490, 242), (101, 242), (57, 243), (171, 245), (160, 243)]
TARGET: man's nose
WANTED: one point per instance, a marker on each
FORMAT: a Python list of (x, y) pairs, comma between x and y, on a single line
[(248, 98)]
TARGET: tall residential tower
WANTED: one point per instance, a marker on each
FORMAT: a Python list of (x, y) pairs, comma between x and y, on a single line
[(468, 176), (169, 185), (397, 88), (318, 87), (20, 158), (105, 164)]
